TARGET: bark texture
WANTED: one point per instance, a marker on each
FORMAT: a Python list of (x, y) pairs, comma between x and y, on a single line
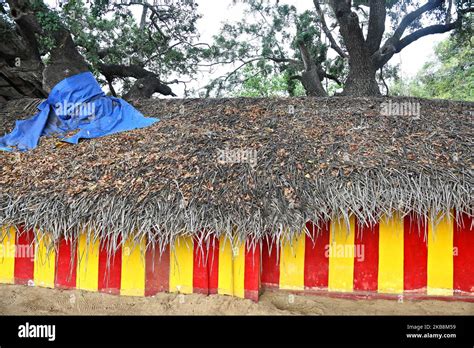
[(22, 72), (367, 54)]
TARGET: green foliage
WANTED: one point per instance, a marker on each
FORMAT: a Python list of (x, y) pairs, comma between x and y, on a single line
[(260, 50), (449, 76), (106, 31), (256, 84), (49, 21), (267, 39), (272, 30), (163, 46)]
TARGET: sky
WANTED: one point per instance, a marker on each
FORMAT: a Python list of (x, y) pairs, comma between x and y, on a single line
[(216, 12)]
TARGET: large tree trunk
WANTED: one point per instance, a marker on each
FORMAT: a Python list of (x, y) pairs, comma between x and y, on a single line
[(65, 59), (361, 79), (20, 65), (366, 56)]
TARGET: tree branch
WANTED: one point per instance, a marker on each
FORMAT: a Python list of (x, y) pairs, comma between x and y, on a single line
[(143, 17), (118, 70), (410, 17), (331, 77), (307, 61), (350, 29), (378, 13), (380, 59), (146, 87), (432, 29), (147, 82), (295, 77), (387, 91), (285, 60), (395, 43), (327, 32), (111, 86)]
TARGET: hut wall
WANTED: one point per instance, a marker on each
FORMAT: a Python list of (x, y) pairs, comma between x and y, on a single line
[(396, 257)]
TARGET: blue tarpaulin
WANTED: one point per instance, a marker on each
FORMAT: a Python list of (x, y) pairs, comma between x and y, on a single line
[(75, 103)]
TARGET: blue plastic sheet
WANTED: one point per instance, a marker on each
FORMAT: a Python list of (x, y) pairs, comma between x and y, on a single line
[(75, 103)]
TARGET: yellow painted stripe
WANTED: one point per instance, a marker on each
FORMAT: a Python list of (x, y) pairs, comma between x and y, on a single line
[(226, 270), (87, 264), (45, 262), (133, 268), (181, 266), (341, 256), (7, 255), (391, 250), (292, 263), (239, 271), (440, 257)]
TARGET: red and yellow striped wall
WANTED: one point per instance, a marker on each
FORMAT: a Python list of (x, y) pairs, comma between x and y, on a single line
[(189, 266), (398, 256)]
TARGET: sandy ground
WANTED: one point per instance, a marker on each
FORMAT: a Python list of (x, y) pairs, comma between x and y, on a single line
[(19, 300)]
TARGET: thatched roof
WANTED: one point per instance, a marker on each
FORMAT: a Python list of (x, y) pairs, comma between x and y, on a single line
[(331, 157)]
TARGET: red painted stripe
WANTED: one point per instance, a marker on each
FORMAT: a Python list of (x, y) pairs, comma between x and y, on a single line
[(200, 267), (252, 271), (157, 270), (415, 253), (110, 268), (316, 262), (24, 257), (213, 265), (464, 255), (366, 258), (270, 263), (66, 265)]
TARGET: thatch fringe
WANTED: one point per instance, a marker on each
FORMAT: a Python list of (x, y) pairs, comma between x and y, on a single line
[(161, 221)]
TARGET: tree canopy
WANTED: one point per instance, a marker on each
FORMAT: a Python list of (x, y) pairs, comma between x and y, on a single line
[(449, 75), (333, 46), (105, 38), (283, 39)]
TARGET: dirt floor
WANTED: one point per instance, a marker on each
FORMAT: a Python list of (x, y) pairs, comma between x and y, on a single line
[(19, 300)]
